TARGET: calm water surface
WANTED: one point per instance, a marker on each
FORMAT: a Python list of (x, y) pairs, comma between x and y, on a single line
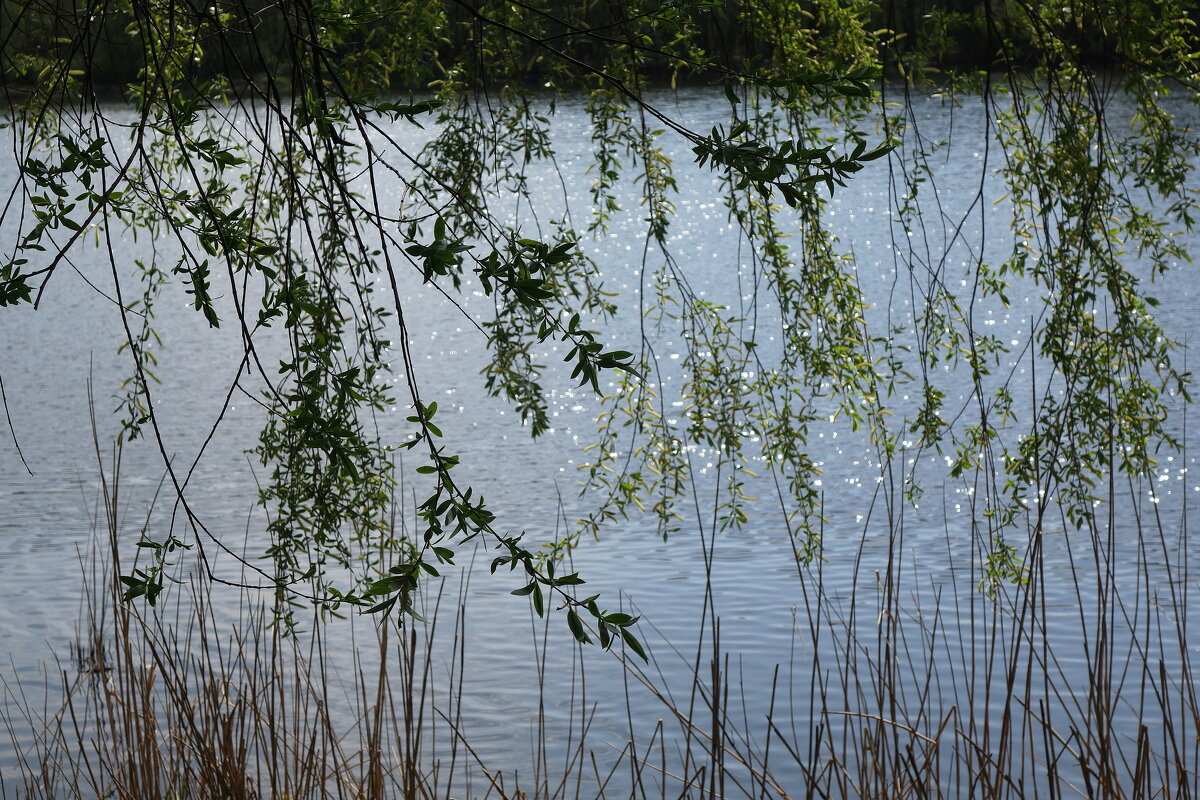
[(57, 360)]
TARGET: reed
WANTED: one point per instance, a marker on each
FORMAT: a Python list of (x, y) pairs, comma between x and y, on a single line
[(897, 687)]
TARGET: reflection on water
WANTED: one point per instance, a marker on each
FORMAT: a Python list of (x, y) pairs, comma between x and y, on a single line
[(772, 612)]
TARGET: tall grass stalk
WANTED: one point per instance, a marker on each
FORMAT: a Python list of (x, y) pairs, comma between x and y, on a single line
[(901, 686)]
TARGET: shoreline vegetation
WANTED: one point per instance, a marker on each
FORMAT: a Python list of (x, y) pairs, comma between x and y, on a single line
[(942, 40), (879, 698)]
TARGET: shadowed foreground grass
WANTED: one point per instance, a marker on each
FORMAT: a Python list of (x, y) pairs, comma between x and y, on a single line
[(890, 696)]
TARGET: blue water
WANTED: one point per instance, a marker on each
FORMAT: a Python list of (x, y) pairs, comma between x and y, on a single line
[(61, 359)]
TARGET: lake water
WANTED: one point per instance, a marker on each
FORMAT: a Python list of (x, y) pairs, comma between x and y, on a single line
[(939, 627)]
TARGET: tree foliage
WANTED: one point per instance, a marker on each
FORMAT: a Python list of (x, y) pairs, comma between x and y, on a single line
[(255, 135)]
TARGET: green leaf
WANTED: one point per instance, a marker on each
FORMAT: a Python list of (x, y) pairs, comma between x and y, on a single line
[(539, 607), (632, 642), (576, 626), (385, 606)]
